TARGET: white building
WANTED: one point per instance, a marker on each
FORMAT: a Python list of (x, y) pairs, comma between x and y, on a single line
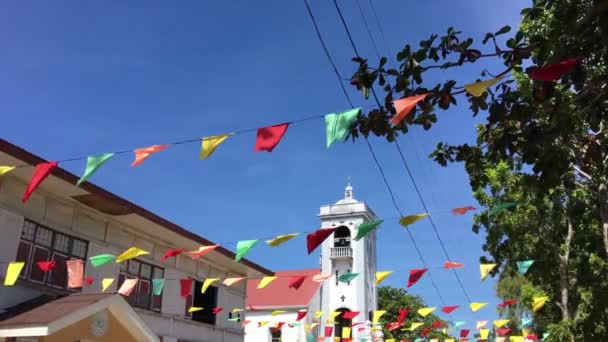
[(340, 254), (61, 221)]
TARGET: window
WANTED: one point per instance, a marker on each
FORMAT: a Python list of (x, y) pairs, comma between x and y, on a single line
[(275, 335), (207, 301), (142, 296), (342, 237), (40, 243)]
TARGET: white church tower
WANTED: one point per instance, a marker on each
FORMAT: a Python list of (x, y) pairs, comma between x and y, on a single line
[(342, 254)]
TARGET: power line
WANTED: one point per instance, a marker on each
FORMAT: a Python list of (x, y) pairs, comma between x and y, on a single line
[(371, 4), (369, 32), (350, 38), (391, 193)]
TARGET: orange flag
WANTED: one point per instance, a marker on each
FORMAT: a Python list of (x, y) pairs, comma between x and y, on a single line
[(75, 273), (404, 107), (143, 153), (452, 264), (202, 251)]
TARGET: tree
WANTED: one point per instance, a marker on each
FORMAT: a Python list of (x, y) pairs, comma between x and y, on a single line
[(544, 146), (392, 299)]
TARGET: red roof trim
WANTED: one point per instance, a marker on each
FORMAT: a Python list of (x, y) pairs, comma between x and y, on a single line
[(58, 172)]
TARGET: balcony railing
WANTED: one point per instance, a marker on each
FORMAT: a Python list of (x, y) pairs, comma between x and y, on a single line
[(341, 252)]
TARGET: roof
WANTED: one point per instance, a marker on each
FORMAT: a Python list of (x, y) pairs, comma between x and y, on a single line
[(54, 310), (29, 158), (54, 316), (278, 294)]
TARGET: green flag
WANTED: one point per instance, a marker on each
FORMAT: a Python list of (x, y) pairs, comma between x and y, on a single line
[(338, 124), (500, 207), (523, 266), (93, 164), (157, 286), (366, 228), (101, 259), (347, 277), (243, 247)]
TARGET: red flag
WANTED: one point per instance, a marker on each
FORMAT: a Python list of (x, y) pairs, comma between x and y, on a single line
[(402, 314), (301, 314), (404, 106), (507, 303), (328, 331), (449, 309), (452, 264), (216, 310), (425, 331), (532, 337), (278, 326), (554, 71), (269, 137), (437, 324), (463, 210), (392, 326), (171, 253), (503, 331), (415, 275), (46, 266), (296, 282), (41, 171), (185, 286), (464, 333), (88, 281), (350, 314), (313, 240)]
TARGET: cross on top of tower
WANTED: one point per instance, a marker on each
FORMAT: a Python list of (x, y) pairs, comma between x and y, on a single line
[(348, 192)]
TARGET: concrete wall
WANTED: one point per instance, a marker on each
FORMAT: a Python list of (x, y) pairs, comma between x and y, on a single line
[(106, 235), (253, 333)]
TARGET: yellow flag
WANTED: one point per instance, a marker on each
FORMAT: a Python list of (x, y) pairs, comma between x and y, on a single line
[(525, 332), (276, 312), (407, 220), (237, 310), (478, 88), (12, 272), (449, 340), (380, 276), (194, 309), (414, 326), (499, 323), (476, 306), (209, 145), (390, 340), (6, 169), (425, 311), (345, 332), (483, 333), (208, 283), (337, 339), (481, 324), (538, 303), (265, 281), (485, 269), (281, 239), (262, 323), (105, 283), (131, 253), (332, 316), (318, 314), (516, 339), (377, 315)]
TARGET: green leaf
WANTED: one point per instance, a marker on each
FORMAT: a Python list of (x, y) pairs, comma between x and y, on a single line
[(503, 30)]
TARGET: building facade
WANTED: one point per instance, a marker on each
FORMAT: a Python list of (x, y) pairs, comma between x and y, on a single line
[(341, 254), (61, 222)]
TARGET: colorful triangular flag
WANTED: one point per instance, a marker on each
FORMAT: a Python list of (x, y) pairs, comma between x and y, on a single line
[(367, 227), (209, 144), (478, 88), (337, 125), (281, 239), (380, 276), (314, 239), (524, 266), (485, 269), (269, 137), (410, 219), (143, 153), (415, 275), (404, 106), (243, 247), (131, 253), (41, 171), (265, 281), (93, 164)]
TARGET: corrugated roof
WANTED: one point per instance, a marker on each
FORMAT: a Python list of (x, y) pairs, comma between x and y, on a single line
[(52, 311), (278, 294)]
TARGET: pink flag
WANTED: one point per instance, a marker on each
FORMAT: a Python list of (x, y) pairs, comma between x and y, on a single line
[(415, 275), (216, 310), (127, 286), (75, 273), (463, 210), (41, 171)]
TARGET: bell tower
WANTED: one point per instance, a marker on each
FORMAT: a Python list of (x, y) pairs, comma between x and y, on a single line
[(341, 254)]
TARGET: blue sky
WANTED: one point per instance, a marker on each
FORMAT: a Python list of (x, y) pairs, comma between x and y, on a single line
[(87, 78)]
